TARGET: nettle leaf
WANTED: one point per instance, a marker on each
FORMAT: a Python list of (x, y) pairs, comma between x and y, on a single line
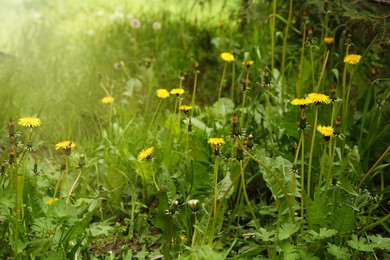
[(266, 235), (360, 244), (286, 230), (339, 252), (343, 220), (380, 242)]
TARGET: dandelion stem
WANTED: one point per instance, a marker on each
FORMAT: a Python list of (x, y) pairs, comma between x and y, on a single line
[(322, 166), (298, 85), (273, 36), (311, 151), (194, 89), (233, 81), (243, 100), (221, 83), (73, 186), (155, 114), (322, 71), (243, 185)]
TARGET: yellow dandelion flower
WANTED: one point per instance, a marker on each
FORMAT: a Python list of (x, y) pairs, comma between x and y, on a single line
[(107, 100), (185, 108), (325, 130), (162, 93), (65, 145), (145, 153), (248, 63), (216, 141), (183, 239), (29, 122), (319, 98), (177, 91), (329, 40), (50, 201), (352, 59), (227, 56), (301, 101)]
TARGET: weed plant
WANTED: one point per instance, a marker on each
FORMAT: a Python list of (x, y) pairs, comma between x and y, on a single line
[(204, 129)]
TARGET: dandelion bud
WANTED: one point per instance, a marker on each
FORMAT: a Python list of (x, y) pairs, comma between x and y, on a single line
[(81, 163), (267, 81), (373, 71), (194, 205), (63, 167), (310, 31), (240, 153), (35, 167), (333, 95), (248, 142), (29, 146), (337, 126), (236, 131), (12, 155), (11, 128), (172, 208), (302, 121)]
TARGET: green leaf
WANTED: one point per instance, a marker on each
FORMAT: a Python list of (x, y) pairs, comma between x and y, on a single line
[(200, 125), (380, 242), (360, 244), (99, 229), (338, 252), (324, 233), (343, 220), (266, 235), (222, 108), (223, 186), (290, 252), (286, 230)]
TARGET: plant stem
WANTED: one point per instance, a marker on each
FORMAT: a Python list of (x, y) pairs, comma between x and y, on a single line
[(73, 186), (243, 185), (194, 88), (298, 85), (155, 114), (233, 81), (284, 50), (372, 168), (311, 151), (322, 71), (243, 100), (273, 36), (221, 83), (322, 166)]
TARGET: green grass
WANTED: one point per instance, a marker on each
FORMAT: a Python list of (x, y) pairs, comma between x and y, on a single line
[(269, 191)]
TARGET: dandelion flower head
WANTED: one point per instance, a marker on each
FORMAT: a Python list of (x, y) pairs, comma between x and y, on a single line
[(162, 93), (156, 26), (329, 40), (183, 239), (107, 100), (301, 101), (227, 56), (248, 63), (29, 122), (325, 130), (352, 59), (319, 98), (145, 153), (177, 91), (65, 145), (216, 141), (135, 23), (185, 108)]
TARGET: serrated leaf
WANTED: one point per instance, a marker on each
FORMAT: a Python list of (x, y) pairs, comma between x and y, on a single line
[(338, 252), (343, 220), (360, 244), (325, 233), (266, 235), (380, 242), (290, 252), (286, 230)]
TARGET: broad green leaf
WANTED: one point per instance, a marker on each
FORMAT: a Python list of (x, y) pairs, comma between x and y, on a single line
[(325, 233), (222, 108), (360, 244), (99, 229), (339, 252), (343, 220), (286, 230), (200, 125)]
